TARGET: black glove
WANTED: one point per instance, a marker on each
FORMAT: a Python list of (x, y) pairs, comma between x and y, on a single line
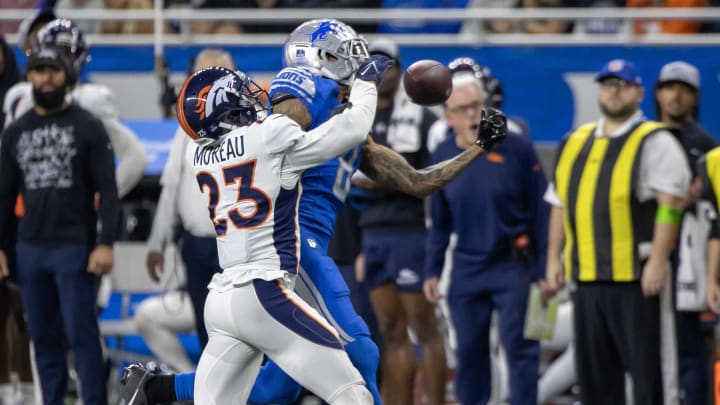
[(493, 128), (373, 69)]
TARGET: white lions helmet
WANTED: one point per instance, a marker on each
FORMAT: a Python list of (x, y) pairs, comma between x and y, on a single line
[(330, 47)]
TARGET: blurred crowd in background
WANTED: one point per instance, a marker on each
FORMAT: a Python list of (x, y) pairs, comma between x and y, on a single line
[(549, 26)]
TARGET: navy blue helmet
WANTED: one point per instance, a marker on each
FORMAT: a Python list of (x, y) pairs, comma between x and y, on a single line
[(493, 89), (27, 32), (64, 35), (216, 100)]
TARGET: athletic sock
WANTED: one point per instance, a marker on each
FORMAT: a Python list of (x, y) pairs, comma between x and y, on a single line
[(184, 386), (160, 388)]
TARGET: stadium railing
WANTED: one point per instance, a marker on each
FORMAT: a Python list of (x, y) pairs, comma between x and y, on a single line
[(159, 16)]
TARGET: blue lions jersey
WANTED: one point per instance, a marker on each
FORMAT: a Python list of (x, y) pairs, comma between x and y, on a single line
[(326, 186)]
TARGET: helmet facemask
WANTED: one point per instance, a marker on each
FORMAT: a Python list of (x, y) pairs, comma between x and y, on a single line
[(250, 107)]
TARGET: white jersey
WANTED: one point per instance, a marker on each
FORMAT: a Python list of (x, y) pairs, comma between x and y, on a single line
[(250, 179), (99, 101)]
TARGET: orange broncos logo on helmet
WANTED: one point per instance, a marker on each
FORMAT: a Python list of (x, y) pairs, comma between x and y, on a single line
[(201, 99)]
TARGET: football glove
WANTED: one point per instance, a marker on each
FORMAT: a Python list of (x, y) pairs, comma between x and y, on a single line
[(493, 128), (373, 69)]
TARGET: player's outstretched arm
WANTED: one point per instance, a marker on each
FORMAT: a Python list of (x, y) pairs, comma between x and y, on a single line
[(333, 138), (390, 170)]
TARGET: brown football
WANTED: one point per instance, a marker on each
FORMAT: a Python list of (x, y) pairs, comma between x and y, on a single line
[(427, 82)]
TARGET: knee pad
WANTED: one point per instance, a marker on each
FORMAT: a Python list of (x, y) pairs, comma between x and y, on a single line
[(143, 320), (365, 356), (355, 394)]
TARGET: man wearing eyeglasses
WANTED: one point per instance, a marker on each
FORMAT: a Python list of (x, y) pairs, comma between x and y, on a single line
[(496, 208), (617, 198)]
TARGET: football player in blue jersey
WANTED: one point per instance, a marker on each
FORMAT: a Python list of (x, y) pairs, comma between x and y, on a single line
[(322, 57)]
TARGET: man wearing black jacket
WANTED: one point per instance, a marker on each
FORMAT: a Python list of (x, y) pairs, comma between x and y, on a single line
[(677, 97), (58, 158)]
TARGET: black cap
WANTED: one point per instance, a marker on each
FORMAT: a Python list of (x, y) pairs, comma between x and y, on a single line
[(46, 57)]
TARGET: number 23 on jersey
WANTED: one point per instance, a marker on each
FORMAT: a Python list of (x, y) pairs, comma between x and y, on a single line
[(241, 175)]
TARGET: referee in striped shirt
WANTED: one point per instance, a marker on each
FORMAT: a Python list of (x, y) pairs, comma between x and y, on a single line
[(617, 194)]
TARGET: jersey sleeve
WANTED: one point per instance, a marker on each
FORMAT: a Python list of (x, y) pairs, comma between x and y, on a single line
[(319, 95), (281, 133), (166, 214), (130, 152), (97, 99), (340, 133), (295, 81)]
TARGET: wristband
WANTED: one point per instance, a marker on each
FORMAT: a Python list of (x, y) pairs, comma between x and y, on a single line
[(666, 214)]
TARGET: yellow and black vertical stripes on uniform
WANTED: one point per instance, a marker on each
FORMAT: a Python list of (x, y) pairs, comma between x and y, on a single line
[(712, 167), (603, 221)]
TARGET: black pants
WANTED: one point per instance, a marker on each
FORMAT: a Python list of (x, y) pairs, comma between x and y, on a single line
[(59, 298), (693, 357), (617, 330)]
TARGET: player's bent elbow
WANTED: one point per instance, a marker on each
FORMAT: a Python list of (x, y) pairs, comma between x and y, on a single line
[(144, 319), (359, 137)]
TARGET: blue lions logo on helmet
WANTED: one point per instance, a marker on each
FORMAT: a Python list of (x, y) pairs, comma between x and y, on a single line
[(322, 31), (216, 100)]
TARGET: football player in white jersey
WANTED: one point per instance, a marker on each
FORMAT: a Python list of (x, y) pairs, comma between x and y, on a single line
[(249, 171), (97, 99)]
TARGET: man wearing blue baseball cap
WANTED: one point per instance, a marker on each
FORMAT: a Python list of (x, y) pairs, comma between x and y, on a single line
[(619, 69), (617, 194)]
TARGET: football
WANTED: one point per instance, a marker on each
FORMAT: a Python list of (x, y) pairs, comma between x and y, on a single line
[(427, 82)]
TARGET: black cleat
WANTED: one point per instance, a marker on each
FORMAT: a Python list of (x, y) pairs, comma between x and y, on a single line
[(133, 381)]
